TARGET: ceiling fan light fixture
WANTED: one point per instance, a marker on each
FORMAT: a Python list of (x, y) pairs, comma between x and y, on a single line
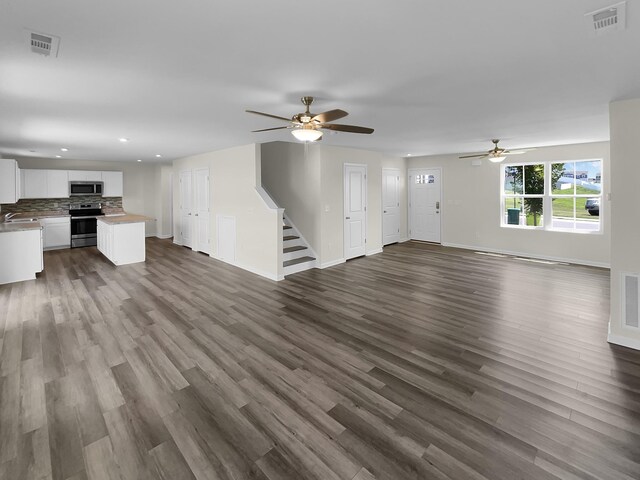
[(305, 134), (497, 159)]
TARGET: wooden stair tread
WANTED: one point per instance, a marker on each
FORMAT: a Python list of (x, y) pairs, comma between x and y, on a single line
[(296, 261), (287, 227), (290, 237), (294, 249)]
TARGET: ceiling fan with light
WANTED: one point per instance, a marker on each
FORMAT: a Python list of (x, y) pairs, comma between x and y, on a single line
[(307, 126), (497, 154)]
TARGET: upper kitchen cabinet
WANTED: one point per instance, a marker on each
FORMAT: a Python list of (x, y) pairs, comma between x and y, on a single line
[(34, 184), (45, 184), (113, 185), (85, 176), (9, 181), (57, 184)]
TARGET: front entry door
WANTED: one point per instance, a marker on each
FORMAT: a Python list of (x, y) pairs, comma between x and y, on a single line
[(202, 238), (355, 210), (424, 204), (390, 206)]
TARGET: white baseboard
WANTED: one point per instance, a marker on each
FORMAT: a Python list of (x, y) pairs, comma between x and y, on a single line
[(332, 263), (529, 255), (374, 252), (624, 341), (405, 239), (250, 269), (164, 237)]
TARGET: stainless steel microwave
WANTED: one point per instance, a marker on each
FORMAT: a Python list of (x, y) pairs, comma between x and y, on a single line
[(77, 188)]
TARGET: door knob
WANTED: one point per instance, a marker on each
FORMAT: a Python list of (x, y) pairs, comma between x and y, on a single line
[(385, 211), (437, 204), (189, 214)]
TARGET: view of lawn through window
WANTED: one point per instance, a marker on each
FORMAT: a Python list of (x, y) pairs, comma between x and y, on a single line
[(553, 195)]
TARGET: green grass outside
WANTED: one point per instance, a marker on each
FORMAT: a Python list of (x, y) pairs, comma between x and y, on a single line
[(563, 207)]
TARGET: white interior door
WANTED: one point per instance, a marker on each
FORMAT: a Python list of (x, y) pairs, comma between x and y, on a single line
[(355, 210), (424, 204), (390, 205), (202, 237), (185, 208)]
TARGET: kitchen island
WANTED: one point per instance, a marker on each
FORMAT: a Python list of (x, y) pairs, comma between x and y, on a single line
[(121, 238), (20, 251)]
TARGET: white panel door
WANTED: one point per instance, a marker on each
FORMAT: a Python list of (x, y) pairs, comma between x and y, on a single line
[(202, 237), (226, 237), (57, 184), (185, 208), (355, 210), (424, 204), (390, 205)]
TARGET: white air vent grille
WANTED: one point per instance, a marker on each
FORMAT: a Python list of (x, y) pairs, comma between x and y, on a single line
[(607, 19), (43, 44), (631, 295)]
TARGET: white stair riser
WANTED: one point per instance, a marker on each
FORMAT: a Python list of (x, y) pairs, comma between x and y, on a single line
[(300, 267)]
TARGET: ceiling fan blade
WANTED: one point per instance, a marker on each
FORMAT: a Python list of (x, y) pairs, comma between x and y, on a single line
[(346, 128), (269, 115), (519, 151), (268, 129), (329, 116), (480, 155)]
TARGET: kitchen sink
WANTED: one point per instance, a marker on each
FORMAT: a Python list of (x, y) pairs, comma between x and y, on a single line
[(22, 220)]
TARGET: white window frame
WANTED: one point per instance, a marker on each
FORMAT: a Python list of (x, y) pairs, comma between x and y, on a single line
[(548, 196)]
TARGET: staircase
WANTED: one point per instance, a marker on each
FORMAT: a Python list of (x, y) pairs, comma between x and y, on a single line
[(297, 255)]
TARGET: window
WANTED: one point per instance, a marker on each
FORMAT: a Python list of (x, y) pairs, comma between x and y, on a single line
[(420, 179), (562, 196)]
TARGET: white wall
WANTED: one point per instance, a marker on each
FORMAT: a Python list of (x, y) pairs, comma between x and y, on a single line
[(291, 175), (471, 208), (332, 160), (164, 201), (308, 182), (233, 180), (625, 202), (140, 181)]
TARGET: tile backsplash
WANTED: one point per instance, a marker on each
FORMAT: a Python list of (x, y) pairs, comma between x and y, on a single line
[(48, 204)]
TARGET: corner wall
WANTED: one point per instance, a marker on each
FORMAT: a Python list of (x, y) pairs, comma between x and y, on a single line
[(471, 208), (625, 201), (232, 174), (308, 182)]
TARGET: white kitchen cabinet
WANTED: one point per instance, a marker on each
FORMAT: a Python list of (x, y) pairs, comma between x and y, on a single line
[(34, 184), (113, 184), (20, 255), (56, 232), (9, 181), (85, 176), (121, 243), (57, 184), (38, 183)]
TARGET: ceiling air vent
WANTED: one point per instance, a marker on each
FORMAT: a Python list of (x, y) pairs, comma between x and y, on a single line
[(607, 20), (44, 44)]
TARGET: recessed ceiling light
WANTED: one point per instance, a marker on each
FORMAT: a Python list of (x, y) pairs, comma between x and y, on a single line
[(64, 149), (139, 160), (123, 140), (408, 154), (158, 156), (58, 156)]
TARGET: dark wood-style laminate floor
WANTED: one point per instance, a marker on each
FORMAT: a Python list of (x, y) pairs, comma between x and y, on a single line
[(422, 362)]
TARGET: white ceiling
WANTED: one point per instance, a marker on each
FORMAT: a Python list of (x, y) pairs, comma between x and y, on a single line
[(430, 77)]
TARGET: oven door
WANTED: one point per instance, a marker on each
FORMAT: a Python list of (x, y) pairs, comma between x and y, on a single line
[(84, 232)]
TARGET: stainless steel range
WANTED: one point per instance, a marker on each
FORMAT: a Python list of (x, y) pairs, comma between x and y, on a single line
[(84, 224)]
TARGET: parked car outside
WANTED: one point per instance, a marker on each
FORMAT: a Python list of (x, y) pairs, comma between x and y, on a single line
[(592, 205)]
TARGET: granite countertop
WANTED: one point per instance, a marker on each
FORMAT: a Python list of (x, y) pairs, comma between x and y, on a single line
[(44, 214), (127, 218), (113, 211), (19, 227)]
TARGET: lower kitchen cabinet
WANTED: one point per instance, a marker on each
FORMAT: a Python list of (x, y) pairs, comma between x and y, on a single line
[(56, 232), (121, 243), (21, 254)]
